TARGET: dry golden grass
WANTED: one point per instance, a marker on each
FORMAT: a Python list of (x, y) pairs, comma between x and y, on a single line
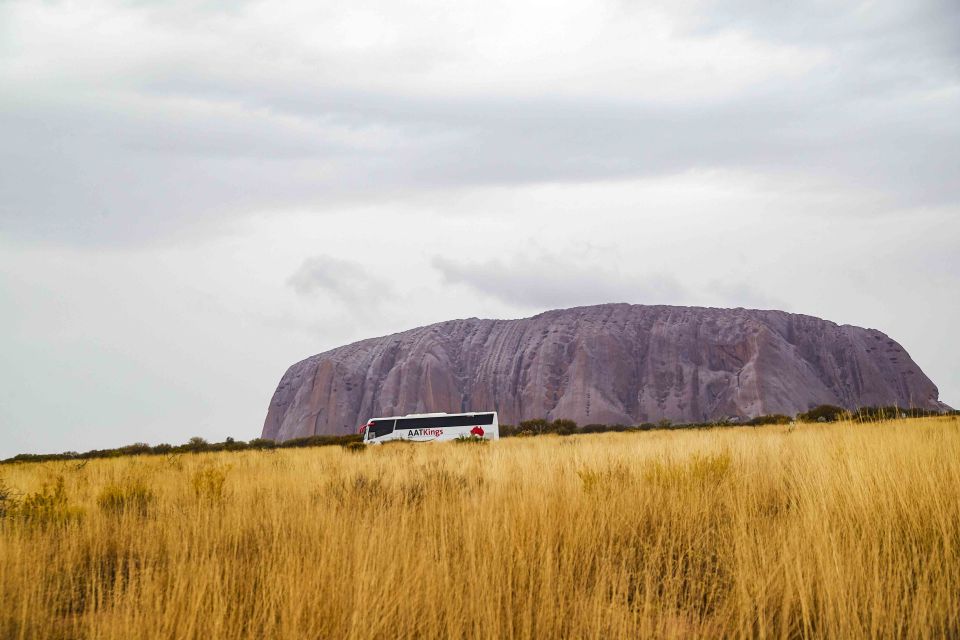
[(839, 531)]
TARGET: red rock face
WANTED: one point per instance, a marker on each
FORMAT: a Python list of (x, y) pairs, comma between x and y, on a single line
[(611, 364)]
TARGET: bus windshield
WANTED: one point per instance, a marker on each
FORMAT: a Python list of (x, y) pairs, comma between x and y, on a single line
[(379, 428)]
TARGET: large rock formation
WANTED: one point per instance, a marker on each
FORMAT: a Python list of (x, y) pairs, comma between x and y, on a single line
[(614, 363)]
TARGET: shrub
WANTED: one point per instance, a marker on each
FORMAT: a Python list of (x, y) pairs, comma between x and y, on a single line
[(49, 505), (564, 427), (507, 430), (320, 441), (134, 449), (8, 500), (196, 444), (208, 482), (233, 445), (127, 497), (876, 414), (540, 426), (824, 413), (355, 447), (775, 418), (535, 426), (593, 428)]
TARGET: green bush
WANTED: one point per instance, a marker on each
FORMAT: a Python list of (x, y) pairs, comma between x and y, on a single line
[(564, 427), (508, 430), (824, 413), (535, 426), (134, 449), (320, 441), (594, 428), (775, 418), (196, 444)]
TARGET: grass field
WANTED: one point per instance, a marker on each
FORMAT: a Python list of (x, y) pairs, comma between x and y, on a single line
[(839, 531)]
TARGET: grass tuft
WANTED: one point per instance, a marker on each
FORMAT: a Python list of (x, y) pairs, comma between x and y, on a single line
[(132, 496)]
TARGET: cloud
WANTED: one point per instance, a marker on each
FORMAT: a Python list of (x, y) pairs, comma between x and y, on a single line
[(548, 282), (345, 280), (742, 294), (177, 119)]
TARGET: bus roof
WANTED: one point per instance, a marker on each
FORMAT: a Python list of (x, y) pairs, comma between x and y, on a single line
[(431, 415)]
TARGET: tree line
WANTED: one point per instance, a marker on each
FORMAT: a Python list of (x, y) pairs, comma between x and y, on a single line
[(527, 428)]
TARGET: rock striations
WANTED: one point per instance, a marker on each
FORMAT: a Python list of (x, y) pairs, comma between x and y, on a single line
[(614, 363)]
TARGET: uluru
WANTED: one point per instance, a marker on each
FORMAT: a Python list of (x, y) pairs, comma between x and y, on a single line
[(608, 364)]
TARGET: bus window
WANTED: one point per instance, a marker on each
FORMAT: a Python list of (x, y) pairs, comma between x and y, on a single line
[(380, 428), (439, 422)]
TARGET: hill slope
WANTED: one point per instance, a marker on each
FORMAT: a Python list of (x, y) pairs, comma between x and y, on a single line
[(614, 363)]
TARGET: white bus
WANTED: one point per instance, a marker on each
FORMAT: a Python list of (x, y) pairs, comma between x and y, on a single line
[(432, 427)]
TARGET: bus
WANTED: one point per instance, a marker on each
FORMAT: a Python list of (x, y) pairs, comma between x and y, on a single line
[(432, 427)]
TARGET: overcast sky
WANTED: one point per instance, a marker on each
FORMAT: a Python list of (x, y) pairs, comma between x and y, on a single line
[(194, 195)]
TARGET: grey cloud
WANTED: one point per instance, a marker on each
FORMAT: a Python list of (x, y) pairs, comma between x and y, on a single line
[(547, 282), (742, 294), (170, 147), (554, 281), (108, 179), (347, 281), (889, 29)]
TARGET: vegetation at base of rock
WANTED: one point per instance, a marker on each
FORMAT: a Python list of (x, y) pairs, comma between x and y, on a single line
[(194, 445), (776, 418), (839, 530), (823, 413), (831, 413)]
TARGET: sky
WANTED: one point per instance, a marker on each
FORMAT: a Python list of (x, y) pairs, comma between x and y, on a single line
[(195, 195)]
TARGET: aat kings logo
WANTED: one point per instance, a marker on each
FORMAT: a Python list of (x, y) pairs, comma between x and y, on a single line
[(436, 433), (477, 431)]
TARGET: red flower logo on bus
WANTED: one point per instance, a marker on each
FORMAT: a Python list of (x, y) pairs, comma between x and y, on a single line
[(477, 431)]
